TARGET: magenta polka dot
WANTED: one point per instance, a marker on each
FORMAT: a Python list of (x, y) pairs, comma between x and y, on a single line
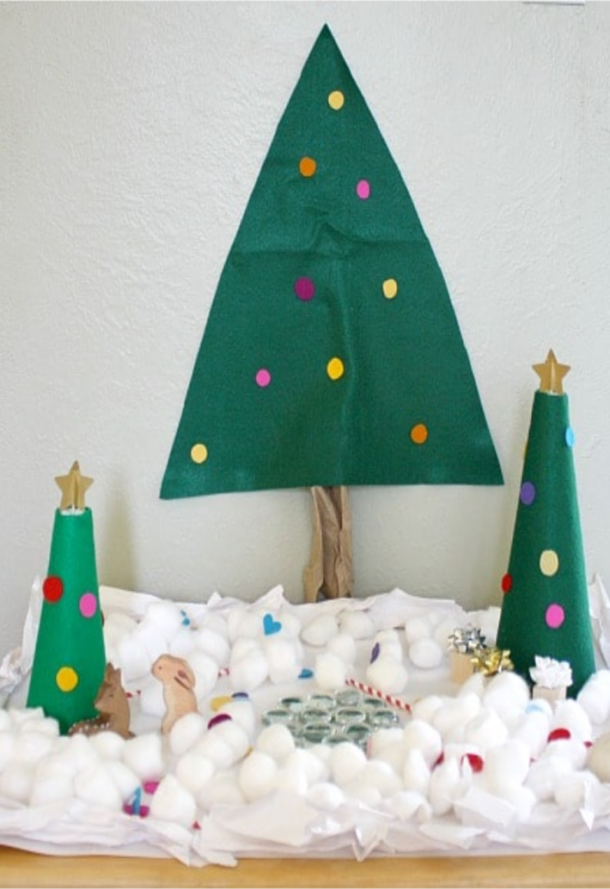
[(263, 377), (528, 493), (87, 605), (363, 189), (554, 616), (304, 288)]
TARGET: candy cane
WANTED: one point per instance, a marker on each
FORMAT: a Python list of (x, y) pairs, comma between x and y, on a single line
[(374, 692)]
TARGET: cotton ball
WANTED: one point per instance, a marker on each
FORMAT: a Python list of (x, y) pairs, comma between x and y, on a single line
[(257, 775), (276, 741), (521, 798), (292, 779), (446, 786), (571, 715), (217, 623), (408, 805), (325, 796), (149, 638), (343, 646), (381, 776), (93, 785), (31, 747), (598, 760), (50, 785), (426, 654), (16, 782), (594, 697), (249, 672), (568, 748), (392, 753), (206, 673), (173, 802), (222, 789), (425, 708), (164, 616), (357, 624), (116, 625), (183, 643), (485, 730), (242, 712), (235, 736), (322, 753), (144, 756), (532, 730), (215, 748), (80, 751), (417, 628), (134, 660), (389, 644), (346, 762), (242, 623), (107, 745), (575, 789), (213, 644), (185, 732), (243, 647), (363, 793), (7, 746), (507, 692), (320, 630), (47, 726), (291, 624), (151, 700), (383, 738), (475, 684), (284, 657), (456, 712), (506, 763), (420, 735), (415, 772), (388, 675), (311, 765), (546, 774), (194, 771), (330, 671)]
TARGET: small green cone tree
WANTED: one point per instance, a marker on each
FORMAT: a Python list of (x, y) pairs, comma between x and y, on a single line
[(332, 354), (69, 658), (545, 608)]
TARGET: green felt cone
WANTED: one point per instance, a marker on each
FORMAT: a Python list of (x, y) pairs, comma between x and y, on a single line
[(69, 659), (332, 354)]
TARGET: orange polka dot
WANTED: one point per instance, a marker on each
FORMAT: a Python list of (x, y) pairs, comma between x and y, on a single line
[(419, 434), (307, 167)]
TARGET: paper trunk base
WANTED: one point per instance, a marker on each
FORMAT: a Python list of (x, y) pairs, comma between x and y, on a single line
[(461, 666), (549, 694)]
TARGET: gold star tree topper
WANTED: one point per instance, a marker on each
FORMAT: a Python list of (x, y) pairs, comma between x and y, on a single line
[(73, 487), (551, 374)]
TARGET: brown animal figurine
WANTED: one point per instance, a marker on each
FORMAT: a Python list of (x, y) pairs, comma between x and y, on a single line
[(113, 706), (178, 682)]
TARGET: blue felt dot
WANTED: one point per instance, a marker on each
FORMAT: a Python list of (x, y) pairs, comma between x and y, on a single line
[(570, 438), (375, 652), (185, 619), (241, 695), (305, 673)]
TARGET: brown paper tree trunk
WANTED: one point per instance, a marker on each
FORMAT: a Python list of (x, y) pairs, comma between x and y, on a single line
[(330, 572)]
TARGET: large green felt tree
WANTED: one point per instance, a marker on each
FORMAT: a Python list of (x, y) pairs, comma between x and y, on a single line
[(332, 354), (545, 608), (69, 657)]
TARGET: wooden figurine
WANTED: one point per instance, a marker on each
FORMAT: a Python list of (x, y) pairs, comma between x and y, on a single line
[(178, 682), (113, 706)]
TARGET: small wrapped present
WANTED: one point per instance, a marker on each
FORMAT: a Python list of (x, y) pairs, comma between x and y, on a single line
[(491, 661), (552, 678), (463, 644)]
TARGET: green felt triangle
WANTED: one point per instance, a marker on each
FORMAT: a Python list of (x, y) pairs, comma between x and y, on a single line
[(308, 372), (69, 659), (545, 610)]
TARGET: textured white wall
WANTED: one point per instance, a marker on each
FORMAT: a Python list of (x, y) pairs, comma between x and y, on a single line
[(131, 136)]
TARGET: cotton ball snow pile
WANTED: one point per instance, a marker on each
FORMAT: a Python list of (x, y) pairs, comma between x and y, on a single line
[(386, 670), (320, 630), (356, 624), (424, 650)]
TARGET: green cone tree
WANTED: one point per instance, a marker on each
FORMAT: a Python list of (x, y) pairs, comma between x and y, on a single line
[(545, 608), (69, 657), (332, 354)]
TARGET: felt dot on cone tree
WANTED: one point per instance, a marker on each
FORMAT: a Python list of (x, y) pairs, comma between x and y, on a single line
[(69, 657), (545, 611)]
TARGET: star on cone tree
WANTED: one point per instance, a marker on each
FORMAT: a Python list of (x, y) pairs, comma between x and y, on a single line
[(69, 658), (545, 608)]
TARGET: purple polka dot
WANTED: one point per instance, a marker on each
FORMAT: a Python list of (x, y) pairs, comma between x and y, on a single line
[(570, 438), (363, 189), (263, 377), (554, 616), (304, 288), (87, 605), (528, 493)]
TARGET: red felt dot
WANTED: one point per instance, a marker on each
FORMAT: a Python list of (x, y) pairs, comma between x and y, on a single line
[(507, 583), (560, 734), (476, 761), (440, 759), (216, 720), (53, 589)]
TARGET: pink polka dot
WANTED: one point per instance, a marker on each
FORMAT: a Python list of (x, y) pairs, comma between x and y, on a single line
[(87, 605), (363, 189), (263, 377), (554, 616), (304, 288)]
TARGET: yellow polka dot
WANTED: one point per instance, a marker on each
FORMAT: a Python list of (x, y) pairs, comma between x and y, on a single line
[(199, 453), (66, 679), (307, 167), (335, 368), (549, 562), (390, 288), (220, 701), (419, 433), (336, 100)]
